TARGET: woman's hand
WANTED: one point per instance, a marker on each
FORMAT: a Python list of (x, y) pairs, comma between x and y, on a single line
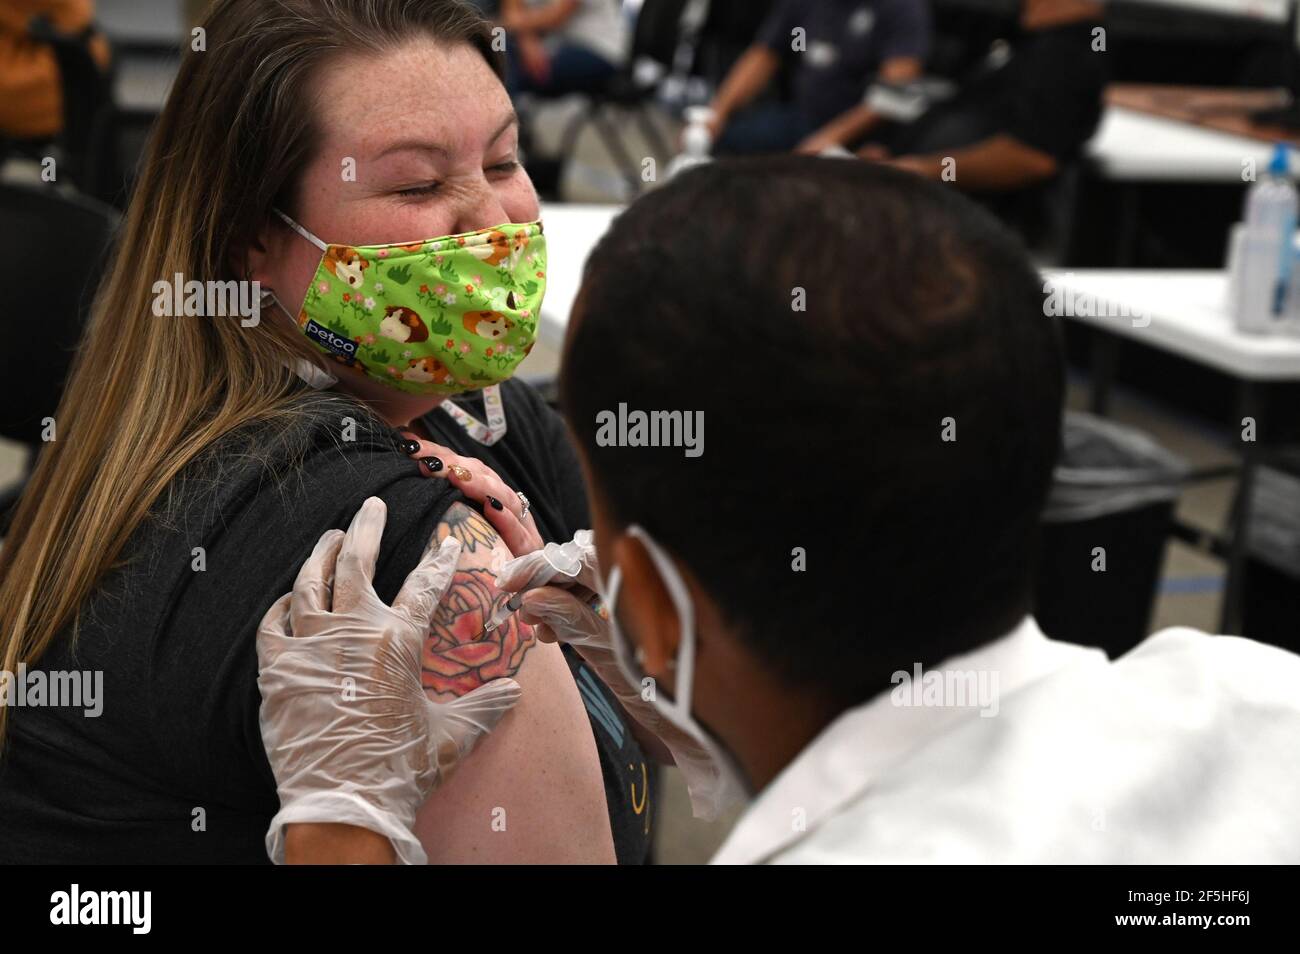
[(817, 143), (503, 506), (350, 734)]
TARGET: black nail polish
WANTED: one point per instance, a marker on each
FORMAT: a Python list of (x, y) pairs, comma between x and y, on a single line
[(496, 504), (433, 463), (410, 447)]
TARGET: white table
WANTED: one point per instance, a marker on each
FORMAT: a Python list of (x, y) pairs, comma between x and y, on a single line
[(1133, 150), (1132, 146), (572, 231), (1188, 310), (1271, 10), (1189, 317)]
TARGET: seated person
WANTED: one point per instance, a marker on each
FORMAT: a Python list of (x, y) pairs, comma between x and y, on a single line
[(194, 470), (558, 47), (844, 46), (1025, 113), (31, 94)]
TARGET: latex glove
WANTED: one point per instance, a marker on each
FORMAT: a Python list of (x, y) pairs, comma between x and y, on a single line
[(350, 734), (570, 612)]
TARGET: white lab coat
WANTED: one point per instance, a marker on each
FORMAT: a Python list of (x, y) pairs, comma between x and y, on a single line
[(1185, 750)]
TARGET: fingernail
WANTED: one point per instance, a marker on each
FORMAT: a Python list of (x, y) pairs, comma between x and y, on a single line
[(410, 447), (496, 504), (460, 472), (433, 463)]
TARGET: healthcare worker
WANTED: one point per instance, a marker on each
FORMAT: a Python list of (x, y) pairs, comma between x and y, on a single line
[(825, 606)]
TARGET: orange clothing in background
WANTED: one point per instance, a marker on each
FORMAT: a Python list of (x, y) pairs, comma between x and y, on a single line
[(31, 98)]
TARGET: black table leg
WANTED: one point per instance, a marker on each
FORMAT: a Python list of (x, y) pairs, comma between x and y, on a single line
[(1105, 364), (1250, 405)]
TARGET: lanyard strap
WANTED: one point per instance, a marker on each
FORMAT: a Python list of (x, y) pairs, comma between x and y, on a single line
[(494, 429)]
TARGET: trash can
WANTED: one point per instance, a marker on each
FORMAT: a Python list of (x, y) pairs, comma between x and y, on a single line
[(1111, 505)]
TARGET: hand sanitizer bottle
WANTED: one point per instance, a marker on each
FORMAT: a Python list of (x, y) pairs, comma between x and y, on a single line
[(697, 140), (1265, 254)]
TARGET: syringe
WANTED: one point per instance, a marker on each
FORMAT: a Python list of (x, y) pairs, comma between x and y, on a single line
[(561, 560)]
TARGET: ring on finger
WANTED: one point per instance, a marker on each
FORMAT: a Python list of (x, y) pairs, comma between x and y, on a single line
[(523, 499)]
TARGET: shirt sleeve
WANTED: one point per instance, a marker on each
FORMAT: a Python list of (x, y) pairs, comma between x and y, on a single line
[(416, 504), (775, 31), (206, 700), (1057, 101)]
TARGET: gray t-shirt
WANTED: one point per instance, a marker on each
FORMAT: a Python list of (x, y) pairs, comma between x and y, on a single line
[(179, 728)]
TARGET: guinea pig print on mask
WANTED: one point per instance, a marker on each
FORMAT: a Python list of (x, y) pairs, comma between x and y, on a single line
[(441, 316)]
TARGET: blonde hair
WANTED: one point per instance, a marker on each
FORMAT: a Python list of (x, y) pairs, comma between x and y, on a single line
[(146, 394)]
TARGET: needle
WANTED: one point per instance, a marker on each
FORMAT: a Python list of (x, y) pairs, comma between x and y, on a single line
[(505, 612), (559, 560)]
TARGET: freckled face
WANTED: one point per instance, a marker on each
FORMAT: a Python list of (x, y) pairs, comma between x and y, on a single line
[(433, 140)]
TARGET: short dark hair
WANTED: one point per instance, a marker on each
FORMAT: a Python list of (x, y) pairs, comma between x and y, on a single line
[(824, 427)]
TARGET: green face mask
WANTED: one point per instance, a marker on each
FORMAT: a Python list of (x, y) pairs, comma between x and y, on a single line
[(441, 316)]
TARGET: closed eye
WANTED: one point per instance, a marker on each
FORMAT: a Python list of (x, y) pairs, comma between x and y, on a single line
[(432, 187), (429, 189)]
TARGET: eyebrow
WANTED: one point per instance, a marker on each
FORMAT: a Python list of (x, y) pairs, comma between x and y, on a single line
[(425, 145)]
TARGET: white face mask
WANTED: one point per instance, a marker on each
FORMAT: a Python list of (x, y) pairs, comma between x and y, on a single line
[(731, 785)]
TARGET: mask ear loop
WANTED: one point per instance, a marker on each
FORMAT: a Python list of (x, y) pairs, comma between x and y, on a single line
[(731, 780), (309, 372), (301, 231), (685, 606)]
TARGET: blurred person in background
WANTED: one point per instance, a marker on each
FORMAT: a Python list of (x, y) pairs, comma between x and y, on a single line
[(558, 47), (1026, 112), (31, 90), (834, 49)]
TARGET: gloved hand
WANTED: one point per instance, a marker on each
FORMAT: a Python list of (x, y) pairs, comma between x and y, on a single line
[(570, 612), (350, 734)]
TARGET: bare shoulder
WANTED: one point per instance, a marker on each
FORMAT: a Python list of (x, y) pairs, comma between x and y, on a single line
[(532, 792)]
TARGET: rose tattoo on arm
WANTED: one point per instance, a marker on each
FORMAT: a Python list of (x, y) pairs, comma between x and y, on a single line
[(458, 655)]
